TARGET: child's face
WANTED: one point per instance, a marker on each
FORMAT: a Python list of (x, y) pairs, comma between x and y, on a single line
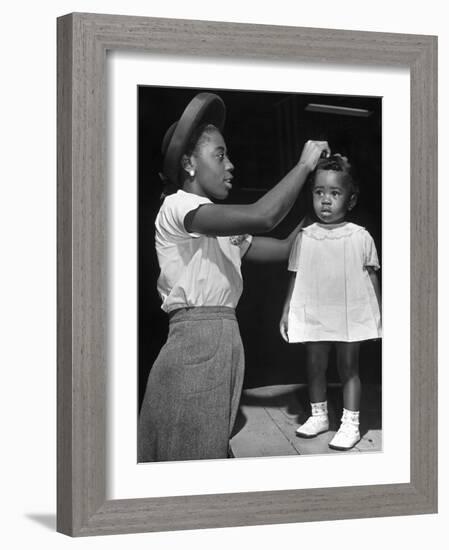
[(331, 196), (213, 169)]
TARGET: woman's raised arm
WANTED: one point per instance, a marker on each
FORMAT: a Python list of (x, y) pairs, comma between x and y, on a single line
[(263, 215)]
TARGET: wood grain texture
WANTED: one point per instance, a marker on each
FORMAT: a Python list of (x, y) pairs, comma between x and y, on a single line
[(83, 40), (64, 279), (424, 277)]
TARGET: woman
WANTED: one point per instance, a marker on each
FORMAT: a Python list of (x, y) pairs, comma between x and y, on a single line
[(194, 386)]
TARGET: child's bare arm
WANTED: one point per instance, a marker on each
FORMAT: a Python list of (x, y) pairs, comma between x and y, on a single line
[(375, 282), (283, 325)]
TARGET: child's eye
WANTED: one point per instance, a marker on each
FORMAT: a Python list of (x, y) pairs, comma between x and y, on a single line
[(221, 156)]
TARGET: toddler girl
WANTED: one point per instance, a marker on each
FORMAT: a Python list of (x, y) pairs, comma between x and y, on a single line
[(333, 297)]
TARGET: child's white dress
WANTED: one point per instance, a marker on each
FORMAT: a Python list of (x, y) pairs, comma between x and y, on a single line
[(333, 298)]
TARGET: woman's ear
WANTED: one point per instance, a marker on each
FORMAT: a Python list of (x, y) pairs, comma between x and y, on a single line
[(188, 165)]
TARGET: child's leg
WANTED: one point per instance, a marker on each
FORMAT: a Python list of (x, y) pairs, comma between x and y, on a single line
[(317, 358), (348, 369), (318, 422)]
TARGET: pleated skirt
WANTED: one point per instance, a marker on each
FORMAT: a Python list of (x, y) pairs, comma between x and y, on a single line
[(193, 389)]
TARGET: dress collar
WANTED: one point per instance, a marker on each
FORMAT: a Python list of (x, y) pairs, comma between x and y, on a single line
[(322, 231)]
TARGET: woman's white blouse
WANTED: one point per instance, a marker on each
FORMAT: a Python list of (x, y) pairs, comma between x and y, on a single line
[(196, 269)]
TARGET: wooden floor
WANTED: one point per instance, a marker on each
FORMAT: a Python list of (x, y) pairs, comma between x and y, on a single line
[(269, 416)]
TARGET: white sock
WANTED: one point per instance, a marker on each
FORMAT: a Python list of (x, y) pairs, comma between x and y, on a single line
[(350, 417), (319, 409)]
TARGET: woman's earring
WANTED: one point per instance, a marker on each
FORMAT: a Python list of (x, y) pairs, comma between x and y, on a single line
[(191, 173)]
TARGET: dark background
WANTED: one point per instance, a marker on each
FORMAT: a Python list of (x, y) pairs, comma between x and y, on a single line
[(264, 134)]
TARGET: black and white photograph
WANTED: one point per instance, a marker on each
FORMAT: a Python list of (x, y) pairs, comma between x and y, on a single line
[(259, 274), (223, 233)]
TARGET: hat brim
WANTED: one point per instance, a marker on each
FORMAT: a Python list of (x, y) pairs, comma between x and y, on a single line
[(204, 108)]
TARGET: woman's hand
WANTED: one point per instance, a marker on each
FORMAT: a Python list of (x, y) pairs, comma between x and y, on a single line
[(283, 326), (312, 152)]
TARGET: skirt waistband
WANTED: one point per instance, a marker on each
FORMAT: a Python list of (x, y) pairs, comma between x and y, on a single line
[(201, 313)]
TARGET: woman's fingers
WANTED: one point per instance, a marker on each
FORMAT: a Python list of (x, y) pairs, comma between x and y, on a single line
[(312, 152), (325, 149)]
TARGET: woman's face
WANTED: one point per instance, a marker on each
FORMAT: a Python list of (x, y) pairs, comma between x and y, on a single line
[(212, 167), (331, 196)]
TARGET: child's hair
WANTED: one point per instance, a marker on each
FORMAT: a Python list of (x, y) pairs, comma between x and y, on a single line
[(337, 163)]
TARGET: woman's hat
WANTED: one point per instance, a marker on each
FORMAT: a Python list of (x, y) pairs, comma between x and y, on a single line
[(204, 108)]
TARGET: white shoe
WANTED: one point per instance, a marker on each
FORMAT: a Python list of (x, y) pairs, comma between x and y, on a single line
[(313, 426), (346, 438)]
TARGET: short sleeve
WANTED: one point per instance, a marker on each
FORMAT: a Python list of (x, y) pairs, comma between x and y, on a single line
[(293, 261), (370, 258), (177, 207)]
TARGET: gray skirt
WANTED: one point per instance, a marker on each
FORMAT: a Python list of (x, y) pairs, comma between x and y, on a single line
[(193, 389)]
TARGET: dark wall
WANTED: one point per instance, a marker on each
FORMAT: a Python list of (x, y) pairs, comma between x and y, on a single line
[(264, 133)]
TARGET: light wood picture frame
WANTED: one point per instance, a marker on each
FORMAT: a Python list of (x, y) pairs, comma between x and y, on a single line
[(83, 41)]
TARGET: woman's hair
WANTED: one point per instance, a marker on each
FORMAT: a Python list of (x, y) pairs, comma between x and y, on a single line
[(198, 137), (337, 163)]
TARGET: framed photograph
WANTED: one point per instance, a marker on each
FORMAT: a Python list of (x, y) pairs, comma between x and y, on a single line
[(373, 96)]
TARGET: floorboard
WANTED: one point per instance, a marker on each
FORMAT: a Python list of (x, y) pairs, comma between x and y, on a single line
[(269, 416)]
